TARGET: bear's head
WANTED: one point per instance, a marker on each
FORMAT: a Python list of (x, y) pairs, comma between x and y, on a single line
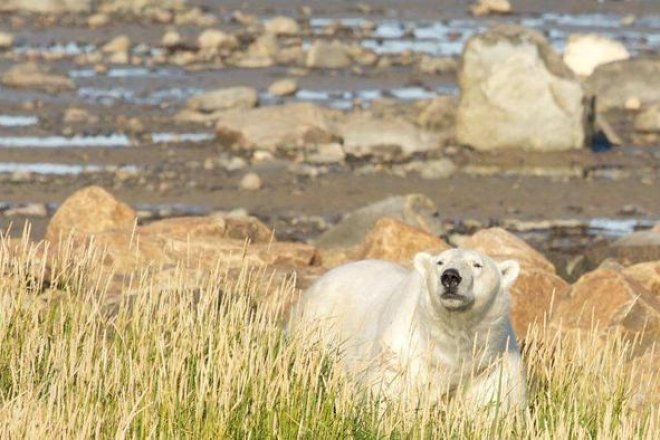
[(463, 279)]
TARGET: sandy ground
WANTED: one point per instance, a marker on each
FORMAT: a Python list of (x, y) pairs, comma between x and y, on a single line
[(621, 183)]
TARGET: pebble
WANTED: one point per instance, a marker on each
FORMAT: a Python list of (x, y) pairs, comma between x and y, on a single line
[(251, 182), (6, 40), (29, 210), (283, 87)]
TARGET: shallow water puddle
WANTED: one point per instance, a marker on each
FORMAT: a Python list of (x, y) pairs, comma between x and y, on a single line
[(18, 120), (112, 140), (162, 138), (60, 169)]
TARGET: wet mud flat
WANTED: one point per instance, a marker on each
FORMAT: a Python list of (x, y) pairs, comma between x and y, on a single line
[(117, 125)]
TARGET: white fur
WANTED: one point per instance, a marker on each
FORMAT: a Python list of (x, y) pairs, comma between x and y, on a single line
[(400, 335)]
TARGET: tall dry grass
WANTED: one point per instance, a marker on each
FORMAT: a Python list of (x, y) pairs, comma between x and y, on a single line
[(215, 363)]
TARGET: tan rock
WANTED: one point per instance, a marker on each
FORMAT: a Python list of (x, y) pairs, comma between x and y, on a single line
[(31, 76), (500, 244), (328, 55), (393, 240), (6, 40), (282, 25), (214, 39), (648, 121), (98, 20), (118, 44), (647, 275), (517, 93), (89, 211), (608, 297), (171, 38), (251, 182), (585, 52), (485, 7), (283, 87)]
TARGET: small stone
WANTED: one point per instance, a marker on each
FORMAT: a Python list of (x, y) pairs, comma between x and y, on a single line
[(30, 210), (251, 182), (213, 39), (170, 39), (282, 25), (20, 176), (224, 99), (6, 40), (328, 55), (433, 169), (98, 20), (283, 87), (75, 115), (117, 45), (486, 7), (632, 103)]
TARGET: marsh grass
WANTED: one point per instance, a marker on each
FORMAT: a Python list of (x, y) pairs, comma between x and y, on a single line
[(214, 362)]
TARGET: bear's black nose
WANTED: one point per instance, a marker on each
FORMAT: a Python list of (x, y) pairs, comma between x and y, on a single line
[(450, 278)]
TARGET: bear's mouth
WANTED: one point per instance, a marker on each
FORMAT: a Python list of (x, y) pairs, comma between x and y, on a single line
[(451, 294)]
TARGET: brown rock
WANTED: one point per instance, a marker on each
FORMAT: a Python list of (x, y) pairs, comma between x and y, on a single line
[(532, 298), (501, 244), (90, 210), (608, 297), (396, 241), (213, 227)]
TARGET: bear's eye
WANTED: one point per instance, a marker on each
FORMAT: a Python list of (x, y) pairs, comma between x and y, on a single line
[(477, 265), (440, 263)]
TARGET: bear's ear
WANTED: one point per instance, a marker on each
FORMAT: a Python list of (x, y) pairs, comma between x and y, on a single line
[(422, 262), (510, 269)]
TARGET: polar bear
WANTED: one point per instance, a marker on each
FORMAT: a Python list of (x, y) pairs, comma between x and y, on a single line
[(440, 329)]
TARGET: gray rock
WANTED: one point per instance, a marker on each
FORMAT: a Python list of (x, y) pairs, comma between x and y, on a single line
[(433, 169), (363, 134), (414, 209), (619, 82), (516, 92), (271, 128), (224, 99)]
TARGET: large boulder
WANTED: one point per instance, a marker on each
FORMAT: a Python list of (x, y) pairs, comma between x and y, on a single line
[(501, 244), (585, 52), (516, 92), (224, 99), (616, 83), (608, 297), (538, 287), (415, 210), (637, 247), (275, 127), (89, 211), (32, 76), (396, 241)]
